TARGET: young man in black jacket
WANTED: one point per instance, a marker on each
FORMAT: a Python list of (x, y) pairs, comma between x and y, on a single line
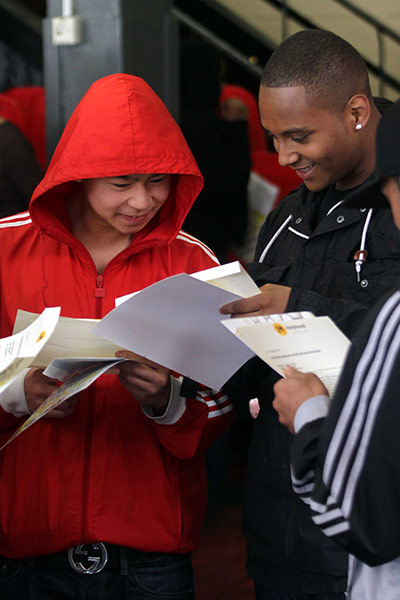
[(346, 466), (316, 254)]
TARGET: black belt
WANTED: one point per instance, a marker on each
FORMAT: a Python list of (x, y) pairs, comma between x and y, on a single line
[(90, 559)]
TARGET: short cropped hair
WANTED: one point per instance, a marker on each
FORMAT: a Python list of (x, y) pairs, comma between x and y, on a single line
[(329, 68)]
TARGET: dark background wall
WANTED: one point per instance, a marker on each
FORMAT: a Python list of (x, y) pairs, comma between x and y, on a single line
[(133, 36)]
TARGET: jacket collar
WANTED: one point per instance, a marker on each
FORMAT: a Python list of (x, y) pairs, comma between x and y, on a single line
[(307, 207)]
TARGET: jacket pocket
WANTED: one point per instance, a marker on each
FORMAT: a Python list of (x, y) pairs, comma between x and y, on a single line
[(375, 279)]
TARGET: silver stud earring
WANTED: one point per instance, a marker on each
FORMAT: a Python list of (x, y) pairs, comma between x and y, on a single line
[(358, 126)]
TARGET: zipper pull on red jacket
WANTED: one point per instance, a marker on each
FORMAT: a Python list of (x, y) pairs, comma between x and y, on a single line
[(99, 291)]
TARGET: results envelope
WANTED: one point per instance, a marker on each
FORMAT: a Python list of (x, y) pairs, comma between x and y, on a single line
[(299, 340), (71, 338)]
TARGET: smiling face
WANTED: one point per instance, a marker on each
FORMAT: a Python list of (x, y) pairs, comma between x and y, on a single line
[(125, 204), (319, 144)]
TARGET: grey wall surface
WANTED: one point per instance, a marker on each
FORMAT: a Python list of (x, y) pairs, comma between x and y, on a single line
[(131, 36)]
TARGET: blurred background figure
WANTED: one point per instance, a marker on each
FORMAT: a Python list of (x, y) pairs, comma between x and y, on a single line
[(219, 142), (21, 169), (269, 182), (24, 105)]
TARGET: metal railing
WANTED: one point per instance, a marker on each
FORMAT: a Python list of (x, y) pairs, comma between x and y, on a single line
[(217, 41), (288, 12), (380, 28)]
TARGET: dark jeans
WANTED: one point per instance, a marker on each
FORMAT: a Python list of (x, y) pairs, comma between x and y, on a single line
[(138, 576), (262, 593)]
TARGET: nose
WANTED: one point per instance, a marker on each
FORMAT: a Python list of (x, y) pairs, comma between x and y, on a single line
[(286, 154), (139, 196)]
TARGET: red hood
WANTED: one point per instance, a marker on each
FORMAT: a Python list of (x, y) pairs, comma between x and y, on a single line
[(120, 127)]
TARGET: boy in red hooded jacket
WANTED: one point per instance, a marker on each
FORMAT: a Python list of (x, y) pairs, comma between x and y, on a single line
[(108, 498)]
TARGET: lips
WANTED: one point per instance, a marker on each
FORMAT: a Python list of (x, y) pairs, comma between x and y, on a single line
[(135, 218), (304, 172)]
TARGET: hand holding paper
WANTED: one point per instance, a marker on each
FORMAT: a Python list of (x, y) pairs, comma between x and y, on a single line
[(148, 382), (73, 384), (292, 391), (38, 388), (272, 300), (175, 322)]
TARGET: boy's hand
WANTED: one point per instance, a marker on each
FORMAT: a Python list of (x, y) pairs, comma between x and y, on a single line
[(38, 388), (272, 300), (148, 382), (292, 391)]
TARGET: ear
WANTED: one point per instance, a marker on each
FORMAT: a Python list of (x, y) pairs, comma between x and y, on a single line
[(359, 111)]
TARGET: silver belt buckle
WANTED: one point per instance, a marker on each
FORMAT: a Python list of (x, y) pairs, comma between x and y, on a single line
[(88, 559)]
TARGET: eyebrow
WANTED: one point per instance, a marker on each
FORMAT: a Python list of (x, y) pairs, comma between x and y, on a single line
[(292, 130)]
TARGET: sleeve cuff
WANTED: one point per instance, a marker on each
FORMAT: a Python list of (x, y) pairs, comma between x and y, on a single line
[(175, 408), (311, 410), (13, 400)]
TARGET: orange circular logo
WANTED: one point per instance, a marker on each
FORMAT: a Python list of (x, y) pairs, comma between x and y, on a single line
[(279, 328)]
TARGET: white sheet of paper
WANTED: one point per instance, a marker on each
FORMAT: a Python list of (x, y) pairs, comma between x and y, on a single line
[(308, 344), (261, 193), (17, 352), (71, 338), (176, 323), (231, 277), (261, 196)]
